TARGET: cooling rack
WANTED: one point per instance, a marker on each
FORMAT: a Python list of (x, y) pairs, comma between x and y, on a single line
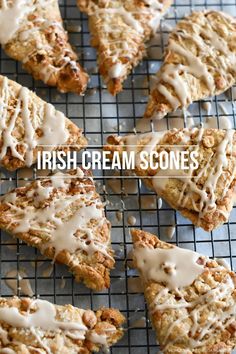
[(129, 203)]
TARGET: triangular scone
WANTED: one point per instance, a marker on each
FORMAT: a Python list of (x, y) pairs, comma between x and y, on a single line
[(32, 32), (200, 61), (119, 32), (27, 124), (63, 216), (38, 326), (191, 299), (204, 195)]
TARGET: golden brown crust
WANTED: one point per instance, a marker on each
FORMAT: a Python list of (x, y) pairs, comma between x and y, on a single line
[(175, 190), (202, 50), (41, 43), (175, 326), (10, 92), (106, 322), (119, 32), (22, 214)]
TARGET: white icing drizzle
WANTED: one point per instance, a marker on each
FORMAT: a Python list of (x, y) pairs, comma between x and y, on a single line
[(175, 74), (52, 130), (132, 17), (40, 194), (16, 22), (222, 262), (208, 199), (61, 233), (13, 14), (116, 70), (45, 117), (157, 10), (178, 268), (98, 338), (44, 317), (78, 221), (127, 16), (11, 17), (175, 267), (30, 142), (218, 320)]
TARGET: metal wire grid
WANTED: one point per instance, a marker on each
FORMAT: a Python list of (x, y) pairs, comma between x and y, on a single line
[(100, 115)]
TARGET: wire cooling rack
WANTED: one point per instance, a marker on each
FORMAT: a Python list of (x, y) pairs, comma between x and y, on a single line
[(100, 114)]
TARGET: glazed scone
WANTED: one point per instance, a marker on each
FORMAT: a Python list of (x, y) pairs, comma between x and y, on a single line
[(38, 326), (63, 216), (205, 194), (119, 31), (28, 125), (200, 61), (32, 32), (191, 299)]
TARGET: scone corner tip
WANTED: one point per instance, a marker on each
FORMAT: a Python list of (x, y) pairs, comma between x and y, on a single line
[(41, 44), (29, 123), (191, 298), (119, 32), (71, 328), (55, 209), (199, 62)]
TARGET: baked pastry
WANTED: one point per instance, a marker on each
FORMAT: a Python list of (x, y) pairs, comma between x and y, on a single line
[(204, 192), (63, 216), (38, 326), (28, 123), (32, 32), (191, 298), (119, 32), (200, 61)]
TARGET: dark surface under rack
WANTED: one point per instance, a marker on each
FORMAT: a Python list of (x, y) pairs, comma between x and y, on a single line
[(100, 115)]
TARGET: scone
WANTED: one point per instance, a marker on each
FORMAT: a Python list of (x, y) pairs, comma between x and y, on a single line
[(28, 125), (204, 194), (191, 299), (120, 29), (38, 326), (200, 61), (63, 216), (32, 32)]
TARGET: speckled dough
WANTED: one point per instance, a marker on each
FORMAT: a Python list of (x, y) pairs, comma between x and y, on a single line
[(41, 43), (200, 61), (205, 196), (63, 216), (27, 123), (198, 318), (119, 32), (102, 326)]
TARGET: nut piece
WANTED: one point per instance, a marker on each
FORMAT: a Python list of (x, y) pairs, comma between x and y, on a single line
[(89, 319), (208, 141)]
